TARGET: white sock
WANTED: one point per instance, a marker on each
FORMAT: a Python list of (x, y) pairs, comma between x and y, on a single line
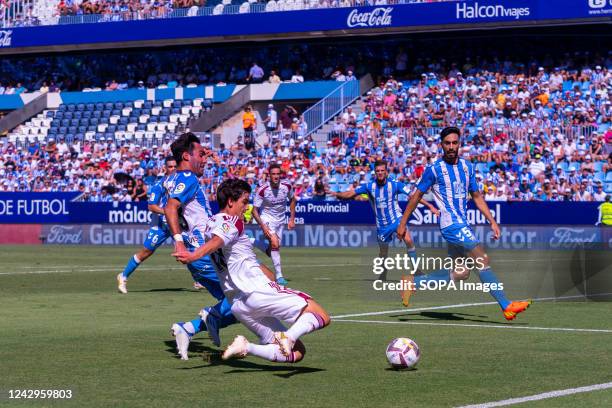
[(189, 328), (270, 352), (306, 323), (277, 263)]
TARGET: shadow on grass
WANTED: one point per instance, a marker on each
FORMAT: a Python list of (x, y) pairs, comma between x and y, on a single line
[(452, 317), (212, 357)]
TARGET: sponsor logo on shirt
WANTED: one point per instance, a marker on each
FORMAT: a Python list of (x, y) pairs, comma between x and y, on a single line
[(179, 188)]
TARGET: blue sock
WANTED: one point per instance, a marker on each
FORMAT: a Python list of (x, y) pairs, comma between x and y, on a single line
[(198, 326), (487, 276), (440, 276), (223, 311), (412, 253), (131, 266)]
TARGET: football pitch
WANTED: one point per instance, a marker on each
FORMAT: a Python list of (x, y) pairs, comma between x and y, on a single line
[(63, 326)]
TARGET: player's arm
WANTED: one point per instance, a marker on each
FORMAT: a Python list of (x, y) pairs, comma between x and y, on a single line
[(431, 207), (156, 209), (259, 221), (344, 195), (171, 211), (266, 271), (292, 204), (415, 198), (481, 204), (208, 248), (154, 201)]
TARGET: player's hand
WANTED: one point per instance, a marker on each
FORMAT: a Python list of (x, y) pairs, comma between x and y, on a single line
[(183, 256), (435, 211), (291, 224), (496, 230), (401, 231), (179, 246)]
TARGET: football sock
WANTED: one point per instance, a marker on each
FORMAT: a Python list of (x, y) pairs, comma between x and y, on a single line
[(306, 323), (270, 352), (223, 312), (487, 276), (131, 266), (412, 253), (276, 260), (441, 276), (194, 326)]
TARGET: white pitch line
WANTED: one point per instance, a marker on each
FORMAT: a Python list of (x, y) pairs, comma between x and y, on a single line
[(489, 326), (423, 309), (538, 397)]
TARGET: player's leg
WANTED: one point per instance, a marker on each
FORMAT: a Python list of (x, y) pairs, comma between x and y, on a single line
[(277, 229), (155, 238), (384, 238), (486, 275)]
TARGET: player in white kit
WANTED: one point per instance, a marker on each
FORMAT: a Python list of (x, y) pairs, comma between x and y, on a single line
[(269, 207), (259, 303)]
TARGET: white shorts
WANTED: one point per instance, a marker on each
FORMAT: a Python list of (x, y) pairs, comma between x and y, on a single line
[(276, 228), (264, 311)]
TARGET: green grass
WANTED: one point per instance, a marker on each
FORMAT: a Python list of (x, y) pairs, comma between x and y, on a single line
[(68, 328)]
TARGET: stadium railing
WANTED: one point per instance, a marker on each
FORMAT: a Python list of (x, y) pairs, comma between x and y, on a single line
[(331, 105)]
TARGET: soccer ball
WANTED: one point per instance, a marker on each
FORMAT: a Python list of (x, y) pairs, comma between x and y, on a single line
[(403, 353)]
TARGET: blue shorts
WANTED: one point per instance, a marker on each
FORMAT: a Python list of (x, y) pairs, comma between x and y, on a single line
[(386, 233), (460, 238), (156, 237)]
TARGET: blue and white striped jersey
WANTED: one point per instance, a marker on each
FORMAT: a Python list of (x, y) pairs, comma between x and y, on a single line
[(158, 195), (384, 200), (451, 187), (187, 189)]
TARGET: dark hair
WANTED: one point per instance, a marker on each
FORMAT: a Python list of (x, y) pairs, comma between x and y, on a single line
[(449, 130), (380, 163), (231, 189), (274, 166), (184, 143), (169, 159)]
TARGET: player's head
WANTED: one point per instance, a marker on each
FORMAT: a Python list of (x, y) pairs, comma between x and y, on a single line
[(275, 174), (189, 153), (449, 137), (233, 196), (169, 164), (381, 172)]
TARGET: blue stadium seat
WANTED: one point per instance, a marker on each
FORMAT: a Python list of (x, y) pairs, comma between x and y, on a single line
[(65, 122), (87, 114), (71, 107), (187, 102), (104, 120), (69, 138), (116, 112), (146, 111), (62, 130), (108, 106), (82, 129), (74, 122), (153, 119), (79, 137), (78, 115), (50, 114), (148, 105), (84, 122), (111, 128), (98, 136), (176, 111), (63, 108), (109, 136), (142, 127), (164, 118), (94, 121), (90, 107), (165, 111), (96, 114), (59, 115), (207, 103), (158, 103), (52, 131), (68, 115), (123, 120), (72, 129), (106, 113), (119, 105), (92, 128), (80, 107), (99, 106), (121, 128), (135, 112), (177, 103)]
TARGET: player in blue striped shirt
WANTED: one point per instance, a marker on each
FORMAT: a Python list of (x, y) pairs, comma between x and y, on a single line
[(383, 194), (453, 180), (159, 232)]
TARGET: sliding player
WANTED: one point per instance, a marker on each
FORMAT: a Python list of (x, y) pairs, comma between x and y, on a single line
[(383, 194), (257, 301), (269, 207), (453, 180), (158, 233)]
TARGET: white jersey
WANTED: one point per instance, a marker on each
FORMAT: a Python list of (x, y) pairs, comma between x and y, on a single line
[(272, 202), (235, 262)]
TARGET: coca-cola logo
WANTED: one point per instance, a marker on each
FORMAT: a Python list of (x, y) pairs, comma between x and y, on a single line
[(59, 234), (569, 237), (5, 38), (379, 17)]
